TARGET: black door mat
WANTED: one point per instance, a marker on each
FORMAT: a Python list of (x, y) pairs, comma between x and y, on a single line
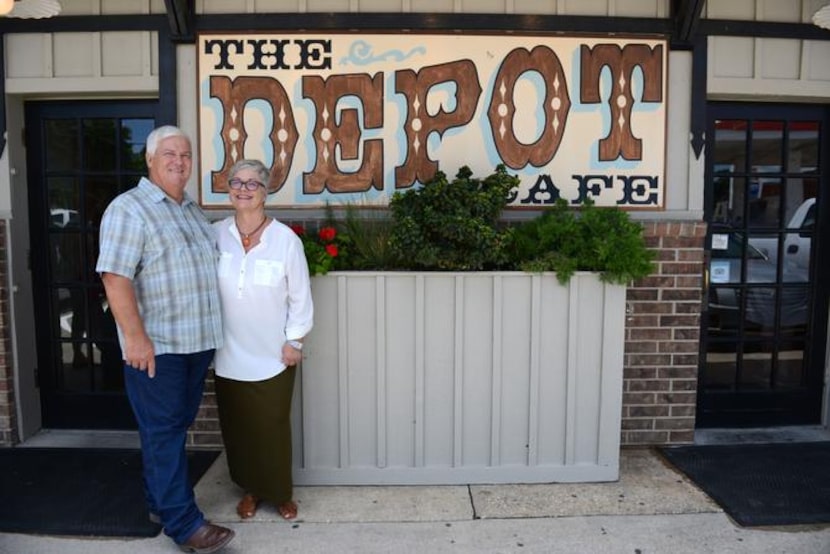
[(79, 491), (761, 484)]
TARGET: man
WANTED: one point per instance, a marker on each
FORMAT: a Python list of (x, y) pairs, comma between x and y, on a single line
[(158, 265)]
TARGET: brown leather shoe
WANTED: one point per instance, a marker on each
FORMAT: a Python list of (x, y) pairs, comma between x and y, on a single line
[(288, 510), (207, 538), (247, 506)]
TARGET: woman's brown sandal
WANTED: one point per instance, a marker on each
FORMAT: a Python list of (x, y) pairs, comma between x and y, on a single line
[(247, 506), (288, 510)]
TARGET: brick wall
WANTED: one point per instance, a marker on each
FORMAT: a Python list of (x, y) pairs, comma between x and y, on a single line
[(663, 338), (205, 432), (8, 417)]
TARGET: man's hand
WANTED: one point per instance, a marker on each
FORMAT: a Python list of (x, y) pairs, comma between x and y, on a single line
[(140, 354), (139, 351)]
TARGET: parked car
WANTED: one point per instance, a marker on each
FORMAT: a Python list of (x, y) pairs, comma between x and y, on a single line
[(725, 288)]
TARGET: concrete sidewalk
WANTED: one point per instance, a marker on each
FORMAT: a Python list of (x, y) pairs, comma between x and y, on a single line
[(651, 509)]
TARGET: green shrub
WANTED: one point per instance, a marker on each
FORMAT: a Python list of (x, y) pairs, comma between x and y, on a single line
[(453, 225), (368, 237), (598, 239)]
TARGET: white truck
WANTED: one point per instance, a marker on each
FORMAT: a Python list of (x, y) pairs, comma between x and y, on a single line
[(796, 242)]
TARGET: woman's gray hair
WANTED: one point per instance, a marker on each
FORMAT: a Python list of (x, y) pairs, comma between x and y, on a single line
[(263, 173), (159, 134)]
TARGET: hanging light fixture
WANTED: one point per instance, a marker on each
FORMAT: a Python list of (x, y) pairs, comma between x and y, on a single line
[(29, 9), (6, 6), (822, 17)]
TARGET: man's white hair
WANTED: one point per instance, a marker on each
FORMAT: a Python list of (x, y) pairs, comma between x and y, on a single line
[(159, 134)]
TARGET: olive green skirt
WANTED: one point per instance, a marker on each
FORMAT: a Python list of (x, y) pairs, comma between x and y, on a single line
[(255, 417)]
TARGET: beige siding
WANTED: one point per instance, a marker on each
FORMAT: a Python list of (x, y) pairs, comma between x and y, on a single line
[(620, 8), (122, 7), (111, 7), (767, 68), (58, 63), (785, 11), (639, 8), (583, 7), (438, 6), (815, 61), (28, 55), (535, 6), (763, 10), (83, 7), (741, 67), (329, 5), (223, 6), (731, 57), (484, 6), (392, 6), (780, 59), (776, 10), (76, 54), (114, 62), (731, 9)]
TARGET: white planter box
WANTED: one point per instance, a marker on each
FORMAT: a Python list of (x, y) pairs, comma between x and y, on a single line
[(456, 378)]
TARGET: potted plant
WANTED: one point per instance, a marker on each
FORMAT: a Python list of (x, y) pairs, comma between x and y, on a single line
[(602, 240), (455, 225), (466, 350)]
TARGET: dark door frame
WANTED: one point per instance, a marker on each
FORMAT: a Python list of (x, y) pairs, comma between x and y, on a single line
[(804, 407), (65, 408)]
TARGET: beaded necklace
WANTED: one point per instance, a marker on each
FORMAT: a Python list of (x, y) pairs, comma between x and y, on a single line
[(246, 237)]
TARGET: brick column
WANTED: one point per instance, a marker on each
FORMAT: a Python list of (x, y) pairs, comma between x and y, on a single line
[(8, 414), (663, 338)]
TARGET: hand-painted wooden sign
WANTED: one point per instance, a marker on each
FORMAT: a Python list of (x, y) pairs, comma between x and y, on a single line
[(352, 118)]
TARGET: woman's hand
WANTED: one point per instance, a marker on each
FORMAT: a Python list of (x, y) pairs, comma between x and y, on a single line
[(290, 355)]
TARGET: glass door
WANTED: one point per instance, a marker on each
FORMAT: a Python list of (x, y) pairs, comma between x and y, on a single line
[(764, 320), (81, 155)]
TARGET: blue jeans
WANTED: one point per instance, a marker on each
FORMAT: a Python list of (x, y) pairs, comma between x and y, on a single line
[(165, 407)]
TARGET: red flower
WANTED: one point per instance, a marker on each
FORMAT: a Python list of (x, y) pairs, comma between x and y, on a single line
[(331, 249), (298, 229), (327, 234)]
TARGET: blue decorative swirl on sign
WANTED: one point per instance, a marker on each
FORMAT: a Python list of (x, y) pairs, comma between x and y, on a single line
[(360, 53)]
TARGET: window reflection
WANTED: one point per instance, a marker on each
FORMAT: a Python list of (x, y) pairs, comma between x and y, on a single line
[(133, 138), (65, 255), (63, 196), (730, 144), (100, 144), (62, 144), (88, 342), (756, 372), (767, 150), (803, 146)]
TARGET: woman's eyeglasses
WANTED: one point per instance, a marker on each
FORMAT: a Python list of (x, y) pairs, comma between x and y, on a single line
[(237, 184)]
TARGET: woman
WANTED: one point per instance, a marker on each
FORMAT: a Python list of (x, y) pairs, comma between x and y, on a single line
[(267, 310)]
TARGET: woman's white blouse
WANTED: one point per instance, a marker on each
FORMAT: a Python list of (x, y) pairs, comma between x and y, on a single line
[(266, 300)]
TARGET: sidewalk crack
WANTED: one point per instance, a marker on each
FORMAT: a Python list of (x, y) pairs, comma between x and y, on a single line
[(472, 502)]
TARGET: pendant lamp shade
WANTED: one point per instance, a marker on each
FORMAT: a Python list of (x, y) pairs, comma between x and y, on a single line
[(30, 9), (822, 17)]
